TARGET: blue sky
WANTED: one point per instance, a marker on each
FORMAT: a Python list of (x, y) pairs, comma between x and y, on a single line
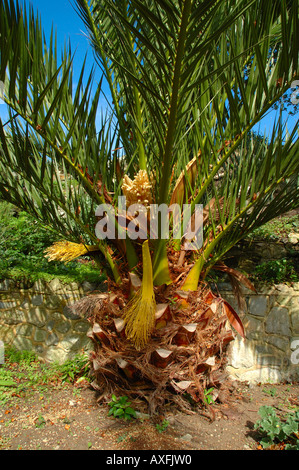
[(69, 25)]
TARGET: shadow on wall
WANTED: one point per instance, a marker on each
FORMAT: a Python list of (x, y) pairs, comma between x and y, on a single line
[(40, 318), (270, 351)]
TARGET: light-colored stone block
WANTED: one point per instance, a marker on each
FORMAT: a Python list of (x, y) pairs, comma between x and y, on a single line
[(22, 344), (37, 316), (257, 375), (258, 305), (278, 322), (37, 299), (8, 304), (241, 354), (254, 327), (81, 326), (278, 342), (295, 323), (56, 354), (6, 284), (40, 335), (52, 339), (63, 326), (55, 285), (24, 330)]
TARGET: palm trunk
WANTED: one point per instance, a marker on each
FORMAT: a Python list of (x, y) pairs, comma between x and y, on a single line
[(184, 356)]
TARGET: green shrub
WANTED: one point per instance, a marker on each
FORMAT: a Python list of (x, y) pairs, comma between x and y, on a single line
[(23, 373), (277, 228), (21, 357), (274, 430), (22, 243), (73, 368), (120, 408), (163, 426), (277, 271), (208, 396)]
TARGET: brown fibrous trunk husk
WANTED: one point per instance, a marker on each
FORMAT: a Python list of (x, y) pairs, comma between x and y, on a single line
[(196, 354)]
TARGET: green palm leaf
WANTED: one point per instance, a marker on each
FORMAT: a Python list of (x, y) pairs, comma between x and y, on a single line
[(186, 78)]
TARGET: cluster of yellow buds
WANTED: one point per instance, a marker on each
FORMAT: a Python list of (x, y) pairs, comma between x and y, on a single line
[(138, 190), (68, 251)]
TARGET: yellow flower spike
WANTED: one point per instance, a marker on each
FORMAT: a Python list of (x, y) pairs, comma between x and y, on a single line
[(139, 313), (68, 251)]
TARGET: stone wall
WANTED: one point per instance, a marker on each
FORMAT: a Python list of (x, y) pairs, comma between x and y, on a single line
[(38, 318), (270, 350)]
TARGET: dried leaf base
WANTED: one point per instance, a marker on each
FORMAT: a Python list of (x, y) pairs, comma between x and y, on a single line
[(184, 356)]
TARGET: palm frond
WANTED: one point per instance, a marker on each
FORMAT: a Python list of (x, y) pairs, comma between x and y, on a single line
[(186, 78)]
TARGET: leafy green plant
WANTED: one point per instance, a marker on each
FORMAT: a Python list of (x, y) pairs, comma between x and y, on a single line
[(21, 357), (163, 426), (277, 271), (40, 422), (272, 391), (276, 229), (274, 430), (120, 408), (181, 109), (6, 380), (23, 237), (208, 396), (74, 368), (123, 437), (23, 373)]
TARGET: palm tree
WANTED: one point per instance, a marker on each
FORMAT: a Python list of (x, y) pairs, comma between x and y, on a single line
[(189, 81)]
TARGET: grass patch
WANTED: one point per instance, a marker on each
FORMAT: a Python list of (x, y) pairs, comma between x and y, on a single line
[(277, 229), (23, 374), (277, 271), (30, 272)]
